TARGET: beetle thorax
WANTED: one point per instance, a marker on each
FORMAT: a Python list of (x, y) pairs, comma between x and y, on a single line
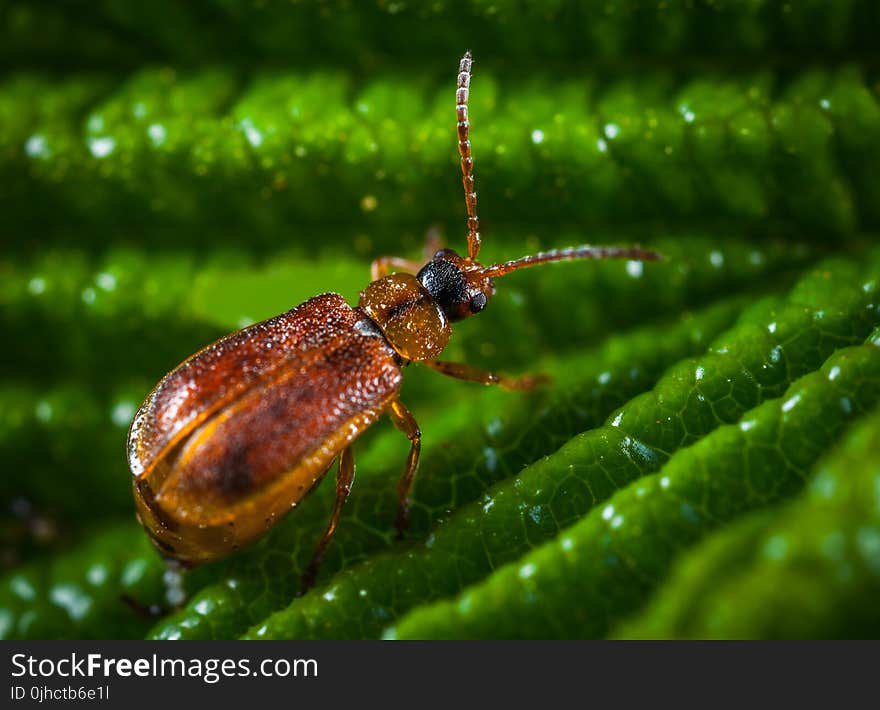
[(412, 322)]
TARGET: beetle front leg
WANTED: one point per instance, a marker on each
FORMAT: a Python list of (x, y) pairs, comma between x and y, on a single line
[(344, 479), (384, 265), (405, 422), (463, 371)]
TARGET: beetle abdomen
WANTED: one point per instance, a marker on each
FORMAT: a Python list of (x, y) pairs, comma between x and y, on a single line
[(256, 437)]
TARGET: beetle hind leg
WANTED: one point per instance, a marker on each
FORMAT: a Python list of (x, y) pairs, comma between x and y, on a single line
[(344, 479), (175, 594), (405, 422), (463, 371)]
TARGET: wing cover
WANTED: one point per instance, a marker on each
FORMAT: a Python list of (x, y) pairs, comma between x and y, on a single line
[(222, 371), (240, 432)]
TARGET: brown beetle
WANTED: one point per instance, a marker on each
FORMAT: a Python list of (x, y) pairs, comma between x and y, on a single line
[(237, 435)]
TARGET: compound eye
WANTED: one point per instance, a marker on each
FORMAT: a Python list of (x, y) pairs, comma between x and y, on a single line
[(444, 252), (478, 303)]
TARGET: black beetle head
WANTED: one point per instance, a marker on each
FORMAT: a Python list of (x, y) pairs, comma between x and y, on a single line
[(456, 284)]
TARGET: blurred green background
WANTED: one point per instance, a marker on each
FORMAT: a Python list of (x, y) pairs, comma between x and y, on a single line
[(707, 463)]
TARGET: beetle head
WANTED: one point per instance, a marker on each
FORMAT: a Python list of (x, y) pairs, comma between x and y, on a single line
[(457, 285)]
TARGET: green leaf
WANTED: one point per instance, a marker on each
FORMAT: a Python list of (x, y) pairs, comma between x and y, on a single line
[(79, 594), (172, 171), (257, 159), (808, 569), (605, 565)]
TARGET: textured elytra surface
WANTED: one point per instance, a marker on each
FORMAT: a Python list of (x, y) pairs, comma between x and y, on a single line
[(243, 430), (702, 465)]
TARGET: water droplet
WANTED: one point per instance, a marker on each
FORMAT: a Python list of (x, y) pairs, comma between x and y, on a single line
[(157, 134), (122, 414), (134, 572), (102, 147), (36, 285), (97, 574), (790, 403), (43, 411), (536, 513), (95, 123), (106, 281), (635, 269), (494, 427), (37, 147), (22, 588), (251, 133), (72, 599), (527, 570), (824, 485), (868, 541)]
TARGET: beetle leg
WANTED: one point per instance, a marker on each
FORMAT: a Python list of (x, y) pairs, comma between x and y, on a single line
[(384, 265), (405, 422), (463, 371), (344, 478), (175, 595), (145, 611), (433, 243)]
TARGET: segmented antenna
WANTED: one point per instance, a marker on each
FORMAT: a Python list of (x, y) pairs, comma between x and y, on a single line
[(582, 252), (464, 149)]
